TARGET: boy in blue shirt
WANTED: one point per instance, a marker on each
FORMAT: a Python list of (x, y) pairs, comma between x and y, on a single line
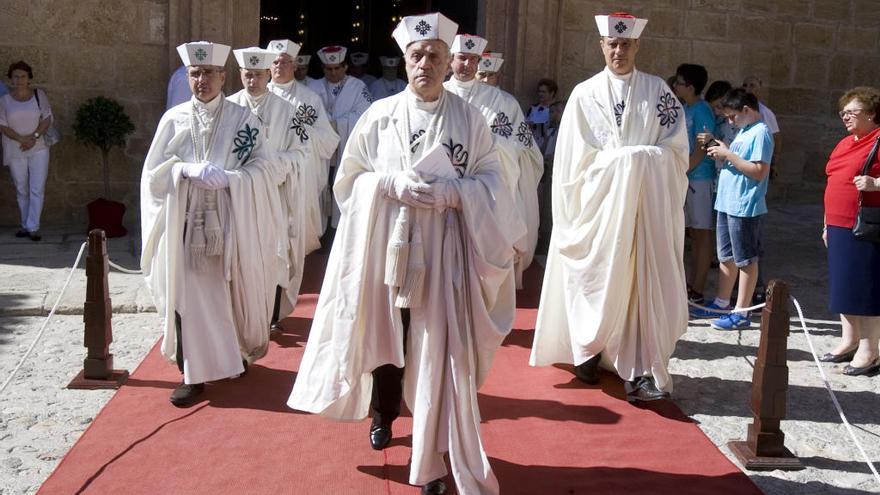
[(741, 205), (690, 79)]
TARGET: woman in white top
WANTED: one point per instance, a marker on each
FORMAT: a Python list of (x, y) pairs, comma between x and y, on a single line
[(24, 117)]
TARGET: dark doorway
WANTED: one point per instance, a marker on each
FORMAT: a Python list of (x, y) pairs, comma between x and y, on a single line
[(359, 25)]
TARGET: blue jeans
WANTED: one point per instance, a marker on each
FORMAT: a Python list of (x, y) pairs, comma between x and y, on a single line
[(738, 238)]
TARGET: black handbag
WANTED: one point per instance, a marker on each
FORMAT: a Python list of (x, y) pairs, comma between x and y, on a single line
[(867, 226)]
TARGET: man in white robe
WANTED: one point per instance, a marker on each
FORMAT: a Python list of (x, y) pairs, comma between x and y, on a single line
[(301, 73), (345, 99), (490, 65), (614, 288), (279, 127), (209, 202), (521, 159), (389, 84), (419, 285), (314, 131), (358, 68)]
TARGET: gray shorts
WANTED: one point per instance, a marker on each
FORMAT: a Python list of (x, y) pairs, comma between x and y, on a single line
[(698, 211)]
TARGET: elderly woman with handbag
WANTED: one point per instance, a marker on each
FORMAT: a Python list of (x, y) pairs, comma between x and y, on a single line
[(852, 195), (25, 116)]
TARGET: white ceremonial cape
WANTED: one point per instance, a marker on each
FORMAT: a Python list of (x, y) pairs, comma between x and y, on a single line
[(467, 303), (280, 128), (383, 88), (314, 132), (229, 297), (614, 281), (522, 161)]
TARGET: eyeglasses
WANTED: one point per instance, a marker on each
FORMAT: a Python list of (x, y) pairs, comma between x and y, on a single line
[(203, 73), (845, 114)]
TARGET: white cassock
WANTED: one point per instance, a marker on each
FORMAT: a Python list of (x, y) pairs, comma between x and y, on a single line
[(207, 255), (383, 88), (314, 132), (467, 301), (345, 102), (521, 159), (280, 129), (614, 281)]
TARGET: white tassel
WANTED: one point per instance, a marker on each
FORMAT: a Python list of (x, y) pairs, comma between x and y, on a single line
[(397, 254), (410, 294), (198, 243), (213, 230)]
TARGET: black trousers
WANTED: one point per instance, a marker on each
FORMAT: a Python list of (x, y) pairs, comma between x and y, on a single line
[(388, 385), (179, 356), (277, 307)]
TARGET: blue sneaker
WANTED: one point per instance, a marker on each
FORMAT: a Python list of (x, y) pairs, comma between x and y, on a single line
[(732, 321), (706, 313)]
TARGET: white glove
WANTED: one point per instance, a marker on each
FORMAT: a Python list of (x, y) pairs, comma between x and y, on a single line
[(403, 187), (215, 178), (193, 170), (444, 194)]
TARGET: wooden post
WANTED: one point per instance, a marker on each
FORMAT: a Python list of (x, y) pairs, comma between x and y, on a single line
[(764, 447), (98, 372)]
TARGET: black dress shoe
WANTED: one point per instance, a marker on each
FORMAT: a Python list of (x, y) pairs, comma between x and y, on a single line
[(35, 236), (870, 369), (22, 233), (380, 436), (187, 394), (643, 389), (839, 358), (436, 487), (588, 371), (275, 328)]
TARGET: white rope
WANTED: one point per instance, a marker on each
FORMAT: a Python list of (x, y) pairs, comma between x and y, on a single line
[(48, 318), (123, 269), (726, 311), (831, 392)]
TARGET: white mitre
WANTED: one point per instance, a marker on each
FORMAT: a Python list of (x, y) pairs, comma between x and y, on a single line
[(389, 61), (254, 58), (203, 53), (468, 43), (490, 62), (284, 46), (303, 59), (331, 55), (620, 25), (433, 26), (359, 58)]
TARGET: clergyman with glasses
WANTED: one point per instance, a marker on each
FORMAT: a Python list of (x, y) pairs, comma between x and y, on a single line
[(202, 254)]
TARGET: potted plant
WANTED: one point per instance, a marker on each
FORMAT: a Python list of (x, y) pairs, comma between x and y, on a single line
[(102, 123)]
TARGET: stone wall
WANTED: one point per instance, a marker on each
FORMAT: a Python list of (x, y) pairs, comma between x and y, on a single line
[(807, 52), (123, 50)]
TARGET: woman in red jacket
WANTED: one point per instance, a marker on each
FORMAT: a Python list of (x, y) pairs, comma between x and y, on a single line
[(854, 265)]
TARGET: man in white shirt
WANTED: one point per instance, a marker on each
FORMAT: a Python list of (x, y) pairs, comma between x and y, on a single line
[(301, 73), (614, 287), (418, 293), (358, 68)]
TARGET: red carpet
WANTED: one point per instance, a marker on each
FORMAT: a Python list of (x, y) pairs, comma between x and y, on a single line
[(545, 432)]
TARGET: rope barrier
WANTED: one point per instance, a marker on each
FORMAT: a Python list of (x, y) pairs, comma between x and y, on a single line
[(48, 318), (54, 307), (831, 392)]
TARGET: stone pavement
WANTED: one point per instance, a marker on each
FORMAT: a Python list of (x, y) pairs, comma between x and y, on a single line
[(40, 419)]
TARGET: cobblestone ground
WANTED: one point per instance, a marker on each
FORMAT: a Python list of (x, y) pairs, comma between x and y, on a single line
[(40, 419)]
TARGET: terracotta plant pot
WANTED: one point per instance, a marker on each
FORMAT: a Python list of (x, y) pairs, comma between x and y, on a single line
[(107, 215)]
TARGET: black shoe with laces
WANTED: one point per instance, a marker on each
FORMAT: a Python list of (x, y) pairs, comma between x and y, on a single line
[(187, 394), (22, 233), (436, 487)]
